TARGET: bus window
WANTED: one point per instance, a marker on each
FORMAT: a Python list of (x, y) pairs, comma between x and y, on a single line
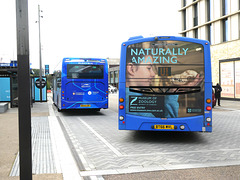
[(84, 71)]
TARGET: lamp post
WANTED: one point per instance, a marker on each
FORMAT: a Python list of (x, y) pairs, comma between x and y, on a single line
[(40, 52)]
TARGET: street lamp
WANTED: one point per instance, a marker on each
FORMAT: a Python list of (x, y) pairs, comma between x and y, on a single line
[(40, 51)]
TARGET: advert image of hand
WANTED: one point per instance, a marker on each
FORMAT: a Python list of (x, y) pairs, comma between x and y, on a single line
[(187, 78), (196, 81)]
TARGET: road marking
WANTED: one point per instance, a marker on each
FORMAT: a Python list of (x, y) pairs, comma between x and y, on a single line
[(156, 168), (102, 139), (181, 152)]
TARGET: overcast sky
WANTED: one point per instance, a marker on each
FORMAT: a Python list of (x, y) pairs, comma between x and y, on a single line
[(86, 28)]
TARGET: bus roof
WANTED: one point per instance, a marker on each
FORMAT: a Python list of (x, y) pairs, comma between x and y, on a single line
[(70, 59), (136, 39)]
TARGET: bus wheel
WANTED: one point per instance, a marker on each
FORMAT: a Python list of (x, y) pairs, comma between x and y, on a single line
[(59, 110)]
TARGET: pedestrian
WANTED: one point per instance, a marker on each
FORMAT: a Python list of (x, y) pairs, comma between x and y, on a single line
[(218, 91)]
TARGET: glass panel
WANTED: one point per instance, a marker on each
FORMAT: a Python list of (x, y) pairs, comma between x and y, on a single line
[(154, 70), (5, 89), (116, 76), (227, 79), (237, 79), (76, 71), (111, 77), (14, 91)]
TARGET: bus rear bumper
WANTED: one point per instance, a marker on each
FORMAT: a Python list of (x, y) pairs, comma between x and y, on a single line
[(189, 124), (87, 105)]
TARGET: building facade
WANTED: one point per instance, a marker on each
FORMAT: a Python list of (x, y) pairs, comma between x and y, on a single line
[(113, 71), (217, 21)]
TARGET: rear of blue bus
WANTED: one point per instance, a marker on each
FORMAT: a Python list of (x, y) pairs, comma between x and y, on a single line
[(84, 83), (165, 85)]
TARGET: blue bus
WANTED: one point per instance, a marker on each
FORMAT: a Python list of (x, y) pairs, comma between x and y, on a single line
[(82, 83), (165, 84)]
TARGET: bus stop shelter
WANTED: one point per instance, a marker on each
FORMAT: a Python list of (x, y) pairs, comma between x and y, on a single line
[(9, 86)]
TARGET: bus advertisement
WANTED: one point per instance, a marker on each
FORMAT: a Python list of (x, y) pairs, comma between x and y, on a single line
[(82, 83), (165, 84)]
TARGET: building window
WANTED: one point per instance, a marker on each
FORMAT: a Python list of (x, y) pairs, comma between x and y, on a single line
[(195, 31), (208, 3), (209, 32), (195, 15), (184, 20), (225, 29), (224, 7), (184, 3)]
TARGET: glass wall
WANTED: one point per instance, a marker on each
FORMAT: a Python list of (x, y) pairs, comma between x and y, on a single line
[(230, 78)]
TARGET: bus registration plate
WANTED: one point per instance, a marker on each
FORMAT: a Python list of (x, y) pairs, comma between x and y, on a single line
[(161, 126), (85, 105)]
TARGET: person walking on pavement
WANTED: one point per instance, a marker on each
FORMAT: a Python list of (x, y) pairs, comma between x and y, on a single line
[(218, 91)]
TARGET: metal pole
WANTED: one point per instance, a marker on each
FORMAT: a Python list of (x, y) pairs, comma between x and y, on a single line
[(40, 52), (24, 109)]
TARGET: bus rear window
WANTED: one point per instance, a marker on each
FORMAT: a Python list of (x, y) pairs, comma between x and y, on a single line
[(77, 71), (165, 79)]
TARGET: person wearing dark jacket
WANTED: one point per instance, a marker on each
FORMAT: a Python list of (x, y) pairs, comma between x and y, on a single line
[(218, 91)]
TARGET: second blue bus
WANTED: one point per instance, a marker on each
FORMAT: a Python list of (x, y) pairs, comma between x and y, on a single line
[(82, 83)]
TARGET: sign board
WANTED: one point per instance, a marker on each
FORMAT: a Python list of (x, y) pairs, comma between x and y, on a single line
[(46, 69), (37, 89)]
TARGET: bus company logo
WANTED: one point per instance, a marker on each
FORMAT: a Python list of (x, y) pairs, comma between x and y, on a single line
[(89, 92), (85, 85)]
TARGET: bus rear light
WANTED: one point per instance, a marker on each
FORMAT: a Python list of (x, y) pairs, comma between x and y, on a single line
[(62, 94), (121, 118), (182, 127), (208, 124), (208, 101), (123, 122), (121, 100), (63, 104), (208, 119), (209, 108), (62, 91), (121, 107), (74, 93)]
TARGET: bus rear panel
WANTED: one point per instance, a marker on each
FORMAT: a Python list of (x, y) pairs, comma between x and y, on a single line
[(165, 85)]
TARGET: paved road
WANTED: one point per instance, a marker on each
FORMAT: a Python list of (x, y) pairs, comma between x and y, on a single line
[(102, 149)]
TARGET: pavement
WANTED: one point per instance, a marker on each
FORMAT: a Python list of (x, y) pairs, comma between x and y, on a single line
[(53, 163)]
